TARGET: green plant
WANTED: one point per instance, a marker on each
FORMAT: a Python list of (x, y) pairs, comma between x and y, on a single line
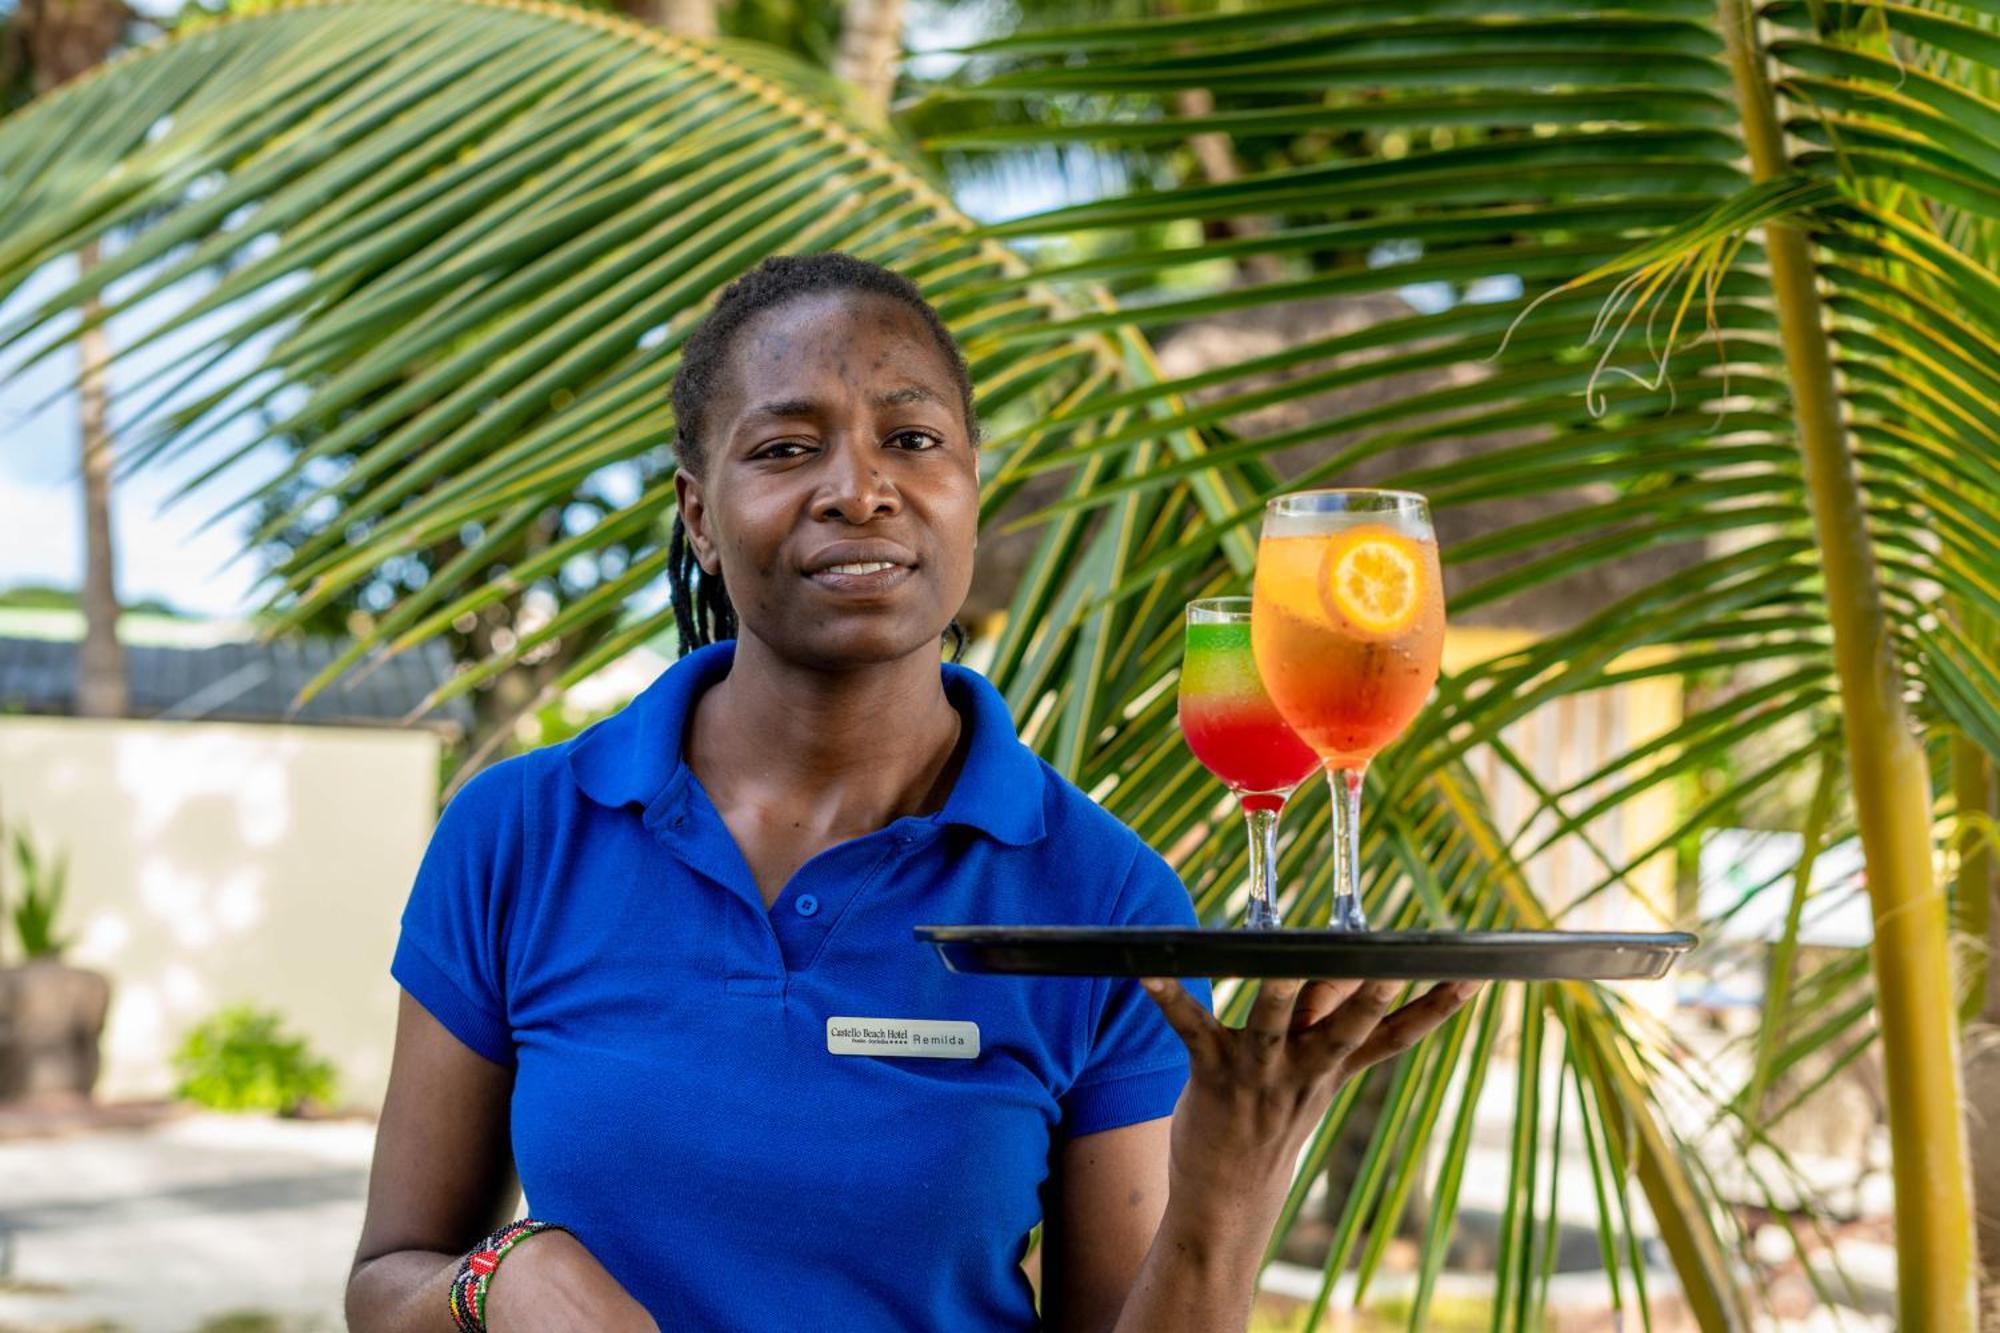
[(240, 1059), (481, 243), (42, 886)]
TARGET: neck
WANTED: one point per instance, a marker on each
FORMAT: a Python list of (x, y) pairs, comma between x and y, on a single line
[(850, 749)]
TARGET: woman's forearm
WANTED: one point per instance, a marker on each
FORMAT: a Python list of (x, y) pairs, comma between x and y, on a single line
[(549, 1283), (405, 1292), (1200, 1276)]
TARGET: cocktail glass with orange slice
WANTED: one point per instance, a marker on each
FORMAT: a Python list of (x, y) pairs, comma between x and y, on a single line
[(1347, 627)]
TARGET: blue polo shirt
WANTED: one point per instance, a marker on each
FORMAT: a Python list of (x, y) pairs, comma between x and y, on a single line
[(583, 916)]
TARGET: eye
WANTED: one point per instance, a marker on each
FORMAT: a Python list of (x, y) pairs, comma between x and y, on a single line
[(782, 449), (924, 440)]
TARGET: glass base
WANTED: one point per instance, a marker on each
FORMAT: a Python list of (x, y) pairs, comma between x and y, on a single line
[(1262, 916), (1347, 914)]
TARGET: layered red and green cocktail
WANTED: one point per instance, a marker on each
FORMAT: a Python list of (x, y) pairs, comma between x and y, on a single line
[(1230, 722), (1237, 733)]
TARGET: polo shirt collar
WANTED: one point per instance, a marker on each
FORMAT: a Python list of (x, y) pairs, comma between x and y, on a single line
[(631, 757)]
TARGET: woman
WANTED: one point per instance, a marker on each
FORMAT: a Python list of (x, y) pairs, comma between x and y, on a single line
[(664, 971)]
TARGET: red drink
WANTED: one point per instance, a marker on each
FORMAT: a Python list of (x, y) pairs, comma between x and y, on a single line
[(1232, 725)]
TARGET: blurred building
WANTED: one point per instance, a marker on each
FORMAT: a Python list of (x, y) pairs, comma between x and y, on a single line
[(222, 847)]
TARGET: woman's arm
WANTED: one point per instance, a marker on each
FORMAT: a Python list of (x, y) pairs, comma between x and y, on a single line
[(443, 1177), (1106, 1197), (1115, 1256), (1162, 1226)]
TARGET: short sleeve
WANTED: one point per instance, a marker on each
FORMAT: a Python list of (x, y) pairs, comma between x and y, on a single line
[(449, 956), (1137, 1063)]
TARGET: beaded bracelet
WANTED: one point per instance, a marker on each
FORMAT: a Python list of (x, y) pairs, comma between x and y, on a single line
[(468, 1286)]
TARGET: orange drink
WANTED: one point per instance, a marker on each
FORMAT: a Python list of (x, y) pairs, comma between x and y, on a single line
[(1347, 626), (1349, 629)]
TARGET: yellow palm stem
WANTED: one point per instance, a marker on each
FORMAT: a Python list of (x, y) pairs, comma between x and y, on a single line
[(1891, 782)]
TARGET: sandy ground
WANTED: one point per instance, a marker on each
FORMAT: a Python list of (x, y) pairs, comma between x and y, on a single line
[(206, 1222)]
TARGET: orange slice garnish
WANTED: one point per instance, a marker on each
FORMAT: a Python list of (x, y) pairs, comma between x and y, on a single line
[(1373, 579)]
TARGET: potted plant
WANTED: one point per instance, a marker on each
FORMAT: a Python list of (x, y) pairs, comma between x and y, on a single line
[(51, 1014), (241, 1058)]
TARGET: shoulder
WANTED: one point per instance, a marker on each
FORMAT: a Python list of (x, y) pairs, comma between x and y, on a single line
[(492, 794), (1130, 881), (487, 815)]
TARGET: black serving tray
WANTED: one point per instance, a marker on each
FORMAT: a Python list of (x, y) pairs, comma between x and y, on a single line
[(1399, 955)]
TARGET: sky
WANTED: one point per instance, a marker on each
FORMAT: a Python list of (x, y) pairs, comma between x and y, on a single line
[(161, 550)]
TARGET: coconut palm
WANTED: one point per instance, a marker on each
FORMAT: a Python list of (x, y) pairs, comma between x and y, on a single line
[(1863, 228), (1757, 319), (43, 45)]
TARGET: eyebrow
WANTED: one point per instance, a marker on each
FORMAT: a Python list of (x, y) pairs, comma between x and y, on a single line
[(788, 408)]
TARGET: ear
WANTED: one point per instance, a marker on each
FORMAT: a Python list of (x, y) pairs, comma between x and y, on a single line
[(694, 518)]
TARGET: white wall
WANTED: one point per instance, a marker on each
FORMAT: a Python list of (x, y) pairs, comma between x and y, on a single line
[(216, 862)]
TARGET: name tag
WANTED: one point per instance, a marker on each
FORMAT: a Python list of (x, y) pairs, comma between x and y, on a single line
[(926, 1038)]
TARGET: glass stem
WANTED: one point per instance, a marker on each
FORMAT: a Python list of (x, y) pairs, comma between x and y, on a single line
[(1346, 790), (1263, 826)]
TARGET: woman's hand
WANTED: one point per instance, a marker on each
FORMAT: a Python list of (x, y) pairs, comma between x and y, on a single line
[(549, 1283), (1256, 1093)]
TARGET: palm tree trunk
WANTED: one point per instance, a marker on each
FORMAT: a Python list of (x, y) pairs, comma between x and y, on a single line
[(62, 41), (1977, 791), (684, 18), (1215, 154), (1977, 794), (1915, 1013), (101, 686), (871, 45)]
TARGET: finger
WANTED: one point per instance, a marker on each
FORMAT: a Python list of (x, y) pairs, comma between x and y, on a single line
[(1186, 1015), (1271, 1016), (1320, 998), (1413, 1022), (1349, 1025)]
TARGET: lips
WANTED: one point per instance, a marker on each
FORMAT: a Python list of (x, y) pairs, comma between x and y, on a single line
[(860, 567)]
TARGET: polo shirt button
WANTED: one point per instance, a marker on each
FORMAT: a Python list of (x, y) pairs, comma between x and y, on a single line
[(806, 904)]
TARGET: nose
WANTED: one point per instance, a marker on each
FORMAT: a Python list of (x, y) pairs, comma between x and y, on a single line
[(853, 487)]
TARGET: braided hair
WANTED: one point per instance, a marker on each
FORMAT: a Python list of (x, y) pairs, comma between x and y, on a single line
[(703, 613)]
